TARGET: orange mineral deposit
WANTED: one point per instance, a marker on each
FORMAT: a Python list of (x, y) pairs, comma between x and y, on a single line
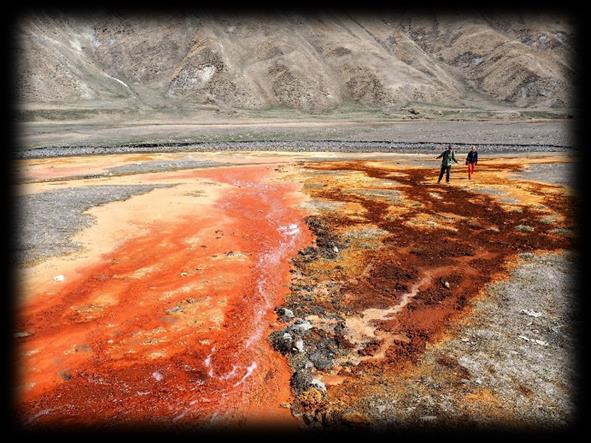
[(171, 326)]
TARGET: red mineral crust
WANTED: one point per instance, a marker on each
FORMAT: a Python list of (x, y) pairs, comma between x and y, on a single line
[(172, 326)]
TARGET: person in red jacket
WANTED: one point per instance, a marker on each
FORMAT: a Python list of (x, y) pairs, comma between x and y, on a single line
[(471, 161)]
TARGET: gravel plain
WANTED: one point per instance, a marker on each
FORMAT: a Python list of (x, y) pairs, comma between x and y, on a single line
[(287, 146), (41, 140)]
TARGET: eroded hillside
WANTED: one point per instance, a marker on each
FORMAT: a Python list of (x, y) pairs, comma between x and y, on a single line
[(310, 63)]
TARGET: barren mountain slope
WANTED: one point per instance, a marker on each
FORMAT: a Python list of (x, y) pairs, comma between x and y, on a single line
[(311, 63)]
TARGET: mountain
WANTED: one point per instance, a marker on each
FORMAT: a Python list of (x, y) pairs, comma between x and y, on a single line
[(312, 63)]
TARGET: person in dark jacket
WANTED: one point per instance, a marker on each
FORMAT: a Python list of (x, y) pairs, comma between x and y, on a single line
[(471, 161), (446, 157)]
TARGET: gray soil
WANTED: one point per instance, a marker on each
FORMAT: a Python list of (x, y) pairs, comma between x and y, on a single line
[(159, 166), (528, 324), (142, 168), (48, 220), (556, 173)]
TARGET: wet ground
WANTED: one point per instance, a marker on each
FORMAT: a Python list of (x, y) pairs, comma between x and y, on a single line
[(307, 289), (398, 261), (170, 324)]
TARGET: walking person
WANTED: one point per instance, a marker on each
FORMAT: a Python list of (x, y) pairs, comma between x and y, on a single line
[(447, 157), (471, 161)]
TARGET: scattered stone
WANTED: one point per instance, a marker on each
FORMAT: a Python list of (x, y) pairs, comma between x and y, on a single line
[(340, 328), (157, 376), (308, 419), (311, 398), (531, 313), (285, 313), (318, 385), (301, 326), (22, 334), (299, 345), (173, 310), (370, 348), (539, 342), (320, 360), (524, 228), (300, 381), (282, 342), (59, 278)]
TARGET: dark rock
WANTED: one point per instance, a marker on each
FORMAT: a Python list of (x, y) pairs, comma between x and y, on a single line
[(308, 419), (300, 381), (308, 254), (300, 327), (282, 341), (285, 314), (65, 375), (326, 242), (320, 360), (370, 348)]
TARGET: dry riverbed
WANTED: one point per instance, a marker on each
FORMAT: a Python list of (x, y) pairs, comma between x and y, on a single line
[(307, 289)]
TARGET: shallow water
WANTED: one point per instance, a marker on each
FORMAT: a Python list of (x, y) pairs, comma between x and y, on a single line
[(163, 329)]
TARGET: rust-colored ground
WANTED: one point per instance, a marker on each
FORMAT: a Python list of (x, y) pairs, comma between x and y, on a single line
[(166, 318), (171, 326), (384, 300)]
